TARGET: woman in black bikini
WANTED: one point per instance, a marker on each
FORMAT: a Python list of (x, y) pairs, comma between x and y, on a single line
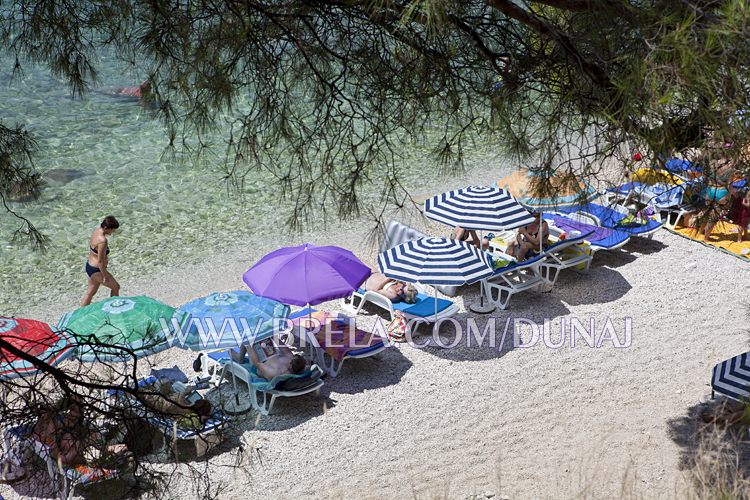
[(527, 238), (98, 259)]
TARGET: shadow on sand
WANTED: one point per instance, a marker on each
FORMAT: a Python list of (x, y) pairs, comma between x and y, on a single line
[(488, 336), (599, 285), (711, 452), (382, 370)]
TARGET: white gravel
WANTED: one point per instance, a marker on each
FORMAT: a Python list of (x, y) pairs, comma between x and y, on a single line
[(481, 422)]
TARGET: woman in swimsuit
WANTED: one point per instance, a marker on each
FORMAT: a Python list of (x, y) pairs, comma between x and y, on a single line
[(98, 259), (527, 238), (393, 289)]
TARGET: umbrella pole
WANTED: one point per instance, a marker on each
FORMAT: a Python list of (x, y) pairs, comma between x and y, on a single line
[(6, 438), (541, 231), (481, 288), (309, 327), (481, 308), (434, 289), (234, 387)]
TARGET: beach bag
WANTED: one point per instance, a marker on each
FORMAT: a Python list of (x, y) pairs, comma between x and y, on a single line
[(396, 329), (632, 221)]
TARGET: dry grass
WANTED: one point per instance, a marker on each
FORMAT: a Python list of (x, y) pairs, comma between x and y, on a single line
[(720, 469)]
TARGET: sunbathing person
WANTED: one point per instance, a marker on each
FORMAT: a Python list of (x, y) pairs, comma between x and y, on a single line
[(70, 439), (394, 290), (171, 403), (471, 237), (528, 238), (717, 194), (282, 363)]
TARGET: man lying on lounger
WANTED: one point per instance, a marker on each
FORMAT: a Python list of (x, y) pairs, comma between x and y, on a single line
[(395, 290), (172, 403), (284, 361)]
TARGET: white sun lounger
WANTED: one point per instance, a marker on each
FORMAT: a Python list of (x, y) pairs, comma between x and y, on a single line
[(263, 393), (536, 272), (421, 312), (512, 279), (565, 254)]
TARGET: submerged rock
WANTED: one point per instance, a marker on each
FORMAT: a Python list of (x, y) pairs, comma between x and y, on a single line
[(18, 192), (63, 175)]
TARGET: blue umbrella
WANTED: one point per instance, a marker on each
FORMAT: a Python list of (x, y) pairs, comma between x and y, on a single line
[(228, 319)]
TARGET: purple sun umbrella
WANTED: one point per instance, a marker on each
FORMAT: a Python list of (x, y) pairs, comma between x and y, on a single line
[(307, 274)]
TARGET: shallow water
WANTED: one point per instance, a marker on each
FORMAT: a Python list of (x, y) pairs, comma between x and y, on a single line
[(171, 213)]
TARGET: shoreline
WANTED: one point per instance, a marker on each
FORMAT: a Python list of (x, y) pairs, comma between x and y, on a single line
[(521, 422)]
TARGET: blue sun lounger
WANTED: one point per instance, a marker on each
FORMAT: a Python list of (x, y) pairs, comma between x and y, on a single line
[(663, 197), (418, 313), (599, 238), (204, 438), (684, 169), (611, 217)]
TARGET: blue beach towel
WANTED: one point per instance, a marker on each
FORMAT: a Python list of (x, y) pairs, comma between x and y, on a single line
[(281, 382), (423, 307), (611, 218)]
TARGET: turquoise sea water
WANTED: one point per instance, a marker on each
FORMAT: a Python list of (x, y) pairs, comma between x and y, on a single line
[(170, 212)]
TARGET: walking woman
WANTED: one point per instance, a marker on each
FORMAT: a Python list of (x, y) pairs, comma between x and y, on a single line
[(98, 259)]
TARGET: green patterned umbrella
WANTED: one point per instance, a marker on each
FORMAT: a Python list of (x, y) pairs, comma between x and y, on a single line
[(107, 330)]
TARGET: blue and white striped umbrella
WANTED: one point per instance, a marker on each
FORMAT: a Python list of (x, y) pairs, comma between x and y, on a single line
[(732, 377), (436, 261), (478, 208)]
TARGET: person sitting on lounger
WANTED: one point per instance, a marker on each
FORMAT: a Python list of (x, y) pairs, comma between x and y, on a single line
[(394, 290), (281, 363), (70, 439), (528, 239), (471, 237)]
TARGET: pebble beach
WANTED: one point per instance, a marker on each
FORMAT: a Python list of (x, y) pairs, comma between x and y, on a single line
[(497, 420)]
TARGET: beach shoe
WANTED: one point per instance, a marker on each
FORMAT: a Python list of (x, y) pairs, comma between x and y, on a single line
[(198, 364)]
